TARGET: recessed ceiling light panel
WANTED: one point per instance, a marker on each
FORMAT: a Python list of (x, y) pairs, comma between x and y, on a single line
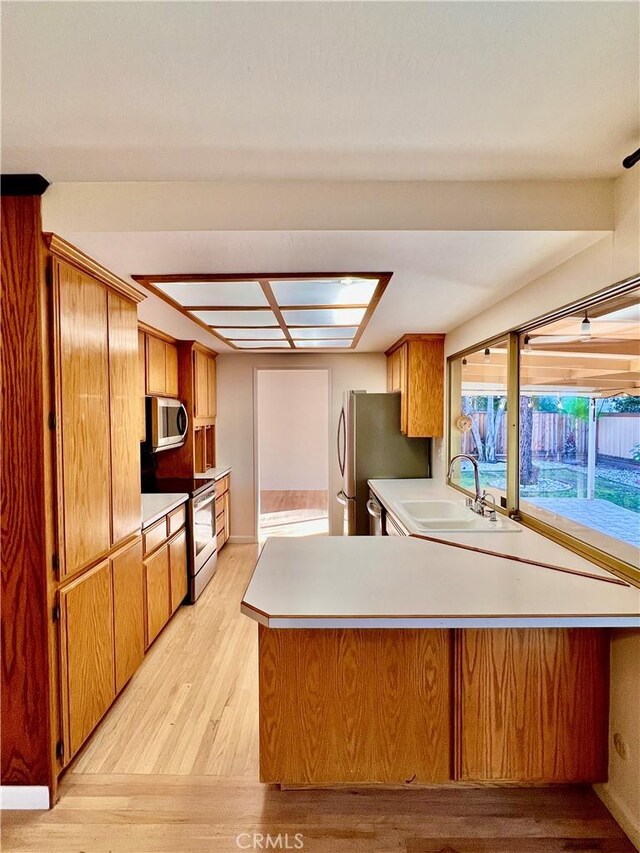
[(236, 318), (215, 293), (262, 344), (324, 291), (327, 344), (247, 334), (325, 317), (311, 332)]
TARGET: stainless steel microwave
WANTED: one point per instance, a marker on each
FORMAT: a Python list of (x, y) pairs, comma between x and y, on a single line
[(167, 423)]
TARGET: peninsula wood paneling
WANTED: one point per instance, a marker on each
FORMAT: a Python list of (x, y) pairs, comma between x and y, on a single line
[(123, 389), (128, 612), (86, 624), (26, 722), (84, 430), (532, 704), (354, 706)]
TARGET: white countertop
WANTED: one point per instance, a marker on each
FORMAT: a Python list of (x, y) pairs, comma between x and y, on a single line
[(154, 506), (526, 544), (402, 582), (213, 473)]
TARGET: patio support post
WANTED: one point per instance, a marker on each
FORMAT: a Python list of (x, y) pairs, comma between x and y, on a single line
[(592, 449)]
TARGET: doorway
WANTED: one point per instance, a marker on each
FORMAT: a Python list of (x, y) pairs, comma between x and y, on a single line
[(292, 424)]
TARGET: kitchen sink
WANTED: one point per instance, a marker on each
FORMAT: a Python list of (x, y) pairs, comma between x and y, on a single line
[(454, 517)]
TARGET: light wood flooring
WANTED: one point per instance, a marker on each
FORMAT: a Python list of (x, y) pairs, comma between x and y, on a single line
[(173, 768), (293, 513)]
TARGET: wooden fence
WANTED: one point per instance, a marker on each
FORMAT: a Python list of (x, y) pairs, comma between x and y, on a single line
[(554, 434)]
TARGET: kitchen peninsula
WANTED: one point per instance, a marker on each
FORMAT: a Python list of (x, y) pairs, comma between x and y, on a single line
[(391, 660)]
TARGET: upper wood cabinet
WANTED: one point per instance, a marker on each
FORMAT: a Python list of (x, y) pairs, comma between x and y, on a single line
[(95, 393), (142, 386), (161, 362), (83, 417), (204, 384), (87, 658), (125, 415), (415, 368)]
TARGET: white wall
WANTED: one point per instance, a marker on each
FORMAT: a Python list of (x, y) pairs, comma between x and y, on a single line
[(235, 421), (611, 259), (293, 429)]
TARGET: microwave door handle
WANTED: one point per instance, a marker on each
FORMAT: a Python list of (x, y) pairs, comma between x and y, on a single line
[(182, 421), (342, 433)]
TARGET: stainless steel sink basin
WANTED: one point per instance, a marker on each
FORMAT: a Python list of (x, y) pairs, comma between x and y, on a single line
[(452, 517)]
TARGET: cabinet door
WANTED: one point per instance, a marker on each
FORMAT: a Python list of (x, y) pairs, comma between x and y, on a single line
[(403, 385), (171, 370), (178, 565), (142, 385), (211, 386), (156, 365), (124, 407), (425, 391), (157, 588), (82, 374), (128, 609), (87, 666), (532, 704), (201, 384)]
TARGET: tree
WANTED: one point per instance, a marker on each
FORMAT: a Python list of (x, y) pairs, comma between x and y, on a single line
[(528, 473), (469, 408), (490, 431), (626, 404)]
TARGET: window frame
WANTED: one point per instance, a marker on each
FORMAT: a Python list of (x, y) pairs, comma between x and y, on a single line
[(590, 552)]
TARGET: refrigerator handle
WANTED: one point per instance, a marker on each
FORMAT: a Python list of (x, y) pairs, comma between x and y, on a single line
[(342, 498), (342, 432)]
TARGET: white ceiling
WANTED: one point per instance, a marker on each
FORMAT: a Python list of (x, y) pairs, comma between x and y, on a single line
[(440, 278), (424, 90)]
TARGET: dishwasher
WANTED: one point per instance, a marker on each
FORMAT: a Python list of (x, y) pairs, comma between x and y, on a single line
[(376, 516)]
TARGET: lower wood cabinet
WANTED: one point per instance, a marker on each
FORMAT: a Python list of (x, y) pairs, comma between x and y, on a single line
[(532, 705), (178, 569), (158, 585), (87, 654), (128, 612)]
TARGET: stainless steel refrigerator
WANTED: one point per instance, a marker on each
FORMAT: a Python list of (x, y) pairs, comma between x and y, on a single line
[(370, 446)]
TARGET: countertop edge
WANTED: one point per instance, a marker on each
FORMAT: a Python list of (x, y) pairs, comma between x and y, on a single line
[(173, 502)]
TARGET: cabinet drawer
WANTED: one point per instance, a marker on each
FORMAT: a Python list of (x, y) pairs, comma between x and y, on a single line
[(154, 536), (221, 539), (175, 520), (222, 485), (220, 523), (219, 504)]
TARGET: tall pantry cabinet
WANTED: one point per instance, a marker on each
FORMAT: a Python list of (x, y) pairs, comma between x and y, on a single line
[(95, 425)]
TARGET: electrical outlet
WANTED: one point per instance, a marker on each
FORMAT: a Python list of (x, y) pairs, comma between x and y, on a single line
[(621, 746)]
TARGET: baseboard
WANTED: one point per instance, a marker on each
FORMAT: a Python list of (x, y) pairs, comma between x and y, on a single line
[(242, 540), (24, 797), (620, 813)]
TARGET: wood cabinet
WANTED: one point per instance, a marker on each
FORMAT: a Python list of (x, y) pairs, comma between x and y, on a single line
[(223, 516), (165, 569), (161, 364), (128, 612), (415, 368), (158, 582), (87, 653), (142, 386), (204, 382), (531, 705), (124, 417), (178, 569), (82, 416)]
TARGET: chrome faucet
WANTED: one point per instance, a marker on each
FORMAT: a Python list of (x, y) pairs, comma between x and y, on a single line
[(479, 502)]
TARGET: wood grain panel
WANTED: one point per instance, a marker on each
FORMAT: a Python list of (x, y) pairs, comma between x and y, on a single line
[(171, 370), (425, 391), (178, 567), (128, 612), (154, 535), (211, 386), (142, 386), (157, 592), (201, 384), (532, 704), (176, 520), (353, 706), (86, 626), (26, 721), (124, 409), (156, 371), (83, 417)]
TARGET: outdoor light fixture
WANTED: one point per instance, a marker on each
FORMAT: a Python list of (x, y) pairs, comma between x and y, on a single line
[(585, 328), (487, 355), (464, 362), (527, 343)]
